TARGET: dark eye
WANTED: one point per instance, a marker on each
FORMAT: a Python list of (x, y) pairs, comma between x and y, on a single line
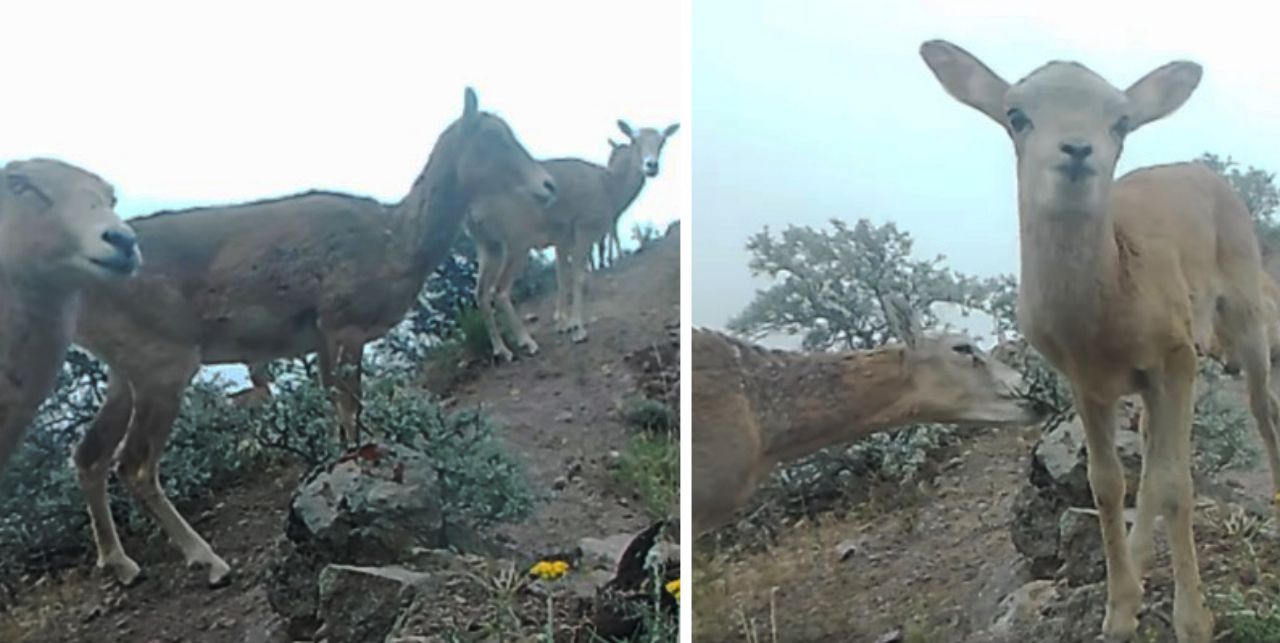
[(18, 184), (1122, 127), (1018, 121)]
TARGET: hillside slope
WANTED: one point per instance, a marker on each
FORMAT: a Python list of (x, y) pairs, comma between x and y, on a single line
[(557, 411)]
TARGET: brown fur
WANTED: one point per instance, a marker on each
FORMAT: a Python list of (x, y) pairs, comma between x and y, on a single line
[(591, 199), (1121, 282), (609, 249), (755, 408), (279, 278), (259, 391), (1271, 308), (56, 221)]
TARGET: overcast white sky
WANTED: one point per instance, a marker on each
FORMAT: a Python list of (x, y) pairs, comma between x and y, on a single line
[(824, 109), (182, 104)]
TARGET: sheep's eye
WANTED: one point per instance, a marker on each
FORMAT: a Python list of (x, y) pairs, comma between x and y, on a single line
[(1018, 121), (1122, 127), (18, 184)]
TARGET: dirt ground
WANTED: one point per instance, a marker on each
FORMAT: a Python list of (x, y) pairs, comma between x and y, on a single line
[(857, 578), (558, 411)]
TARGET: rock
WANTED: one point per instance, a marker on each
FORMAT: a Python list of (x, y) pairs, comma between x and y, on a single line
[(604, 553), (894, 636), (1022, 608), (361, 604), (565, 417), (291, 587), (850, 547), (376, 506), (999, 580), (1080, 547), (1074, 615), (371, 507), (1057, 480)]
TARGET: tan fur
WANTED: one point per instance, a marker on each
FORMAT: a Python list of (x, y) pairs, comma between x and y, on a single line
[(1121, 282), (247, 283), (755, 408), (609, 249), (259, 391), (1271, 308), (590, 200), (59, 234)]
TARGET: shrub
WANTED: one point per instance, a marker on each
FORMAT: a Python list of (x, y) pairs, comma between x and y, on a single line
[(1252, 617), (474, 335), (644, 234), (480, 483), (650, 467), (538, 277), (1221, 428), (43, 522), (836, 479), (649, 415)]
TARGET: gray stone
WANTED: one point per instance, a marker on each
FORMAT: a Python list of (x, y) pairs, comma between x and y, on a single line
[(369, 509), (1058, 480), (1074, 615), (360, 604), (291, 588), (377, 506), (1080, 547), (1022, 607), (999, 581), (604, 553)]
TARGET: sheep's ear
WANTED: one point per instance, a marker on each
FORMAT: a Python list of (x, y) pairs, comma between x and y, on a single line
[(626, 129), (1163, 90), (471, 105), (966, 78), (614, 144), (903, 320), (671, 129)]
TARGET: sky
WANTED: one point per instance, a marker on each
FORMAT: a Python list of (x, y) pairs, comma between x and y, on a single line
[(232, 101), (180, 104), (824, 109)]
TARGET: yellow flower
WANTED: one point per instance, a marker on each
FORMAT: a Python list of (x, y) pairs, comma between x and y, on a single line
[(674, 588), (549, 569)]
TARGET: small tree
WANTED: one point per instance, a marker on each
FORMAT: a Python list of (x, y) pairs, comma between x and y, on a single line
[(1257, 188), (829, 284)]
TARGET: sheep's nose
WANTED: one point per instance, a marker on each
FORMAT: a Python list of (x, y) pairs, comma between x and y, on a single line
[(123, 241), (1077, 151)]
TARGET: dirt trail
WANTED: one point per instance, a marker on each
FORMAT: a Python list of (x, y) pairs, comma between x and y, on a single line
[(558, 412)]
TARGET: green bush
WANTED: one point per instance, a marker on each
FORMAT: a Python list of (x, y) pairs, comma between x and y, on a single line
[(836, 479), (650, 467), (474, 334), (645, 414), (1253, 617), (480, 483), (43, 522), (1221, 427)]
